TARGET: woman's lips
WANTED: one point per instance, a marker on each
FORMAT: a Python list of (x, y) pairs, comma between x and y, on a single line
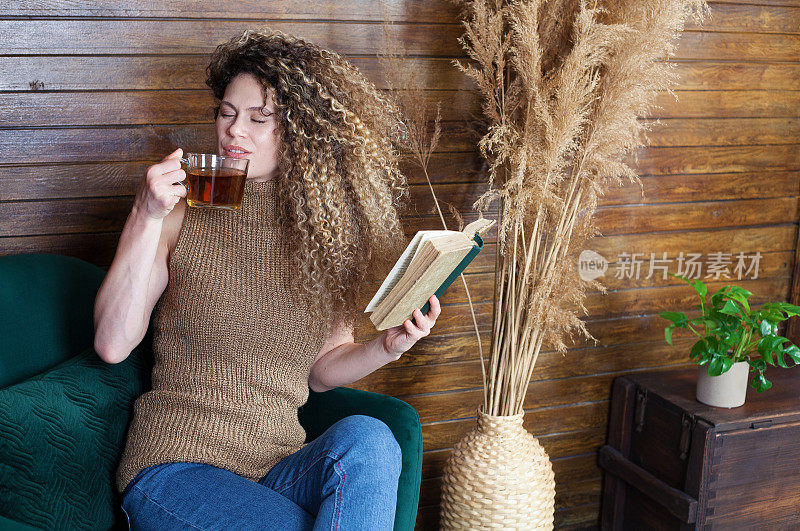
[(235, 152)]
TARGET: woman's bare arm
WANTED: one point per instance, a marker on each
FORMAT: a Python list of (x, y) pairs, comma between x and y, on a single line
[(341, 361), (138, 274)]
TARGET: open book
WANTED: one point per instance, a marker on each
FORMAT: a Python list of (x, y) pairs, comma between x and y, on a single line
[(430, 263)]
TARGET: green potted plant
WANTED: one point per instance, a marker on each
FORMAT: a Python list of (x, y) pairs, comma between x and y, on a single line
[(734, 340)]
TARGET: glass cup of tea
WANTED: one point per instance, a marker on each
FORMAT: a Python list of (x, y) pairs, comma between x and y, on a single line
[(214, 181)]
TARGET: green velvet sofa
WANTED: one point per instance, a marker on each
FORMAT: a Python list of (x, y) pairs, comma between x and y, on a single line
[(64, 412)]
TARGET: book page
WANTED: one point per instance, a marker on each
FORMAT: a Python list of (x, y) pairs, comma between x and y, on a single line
[(421, 263), (421, 267), (402, 264), (418, 290)]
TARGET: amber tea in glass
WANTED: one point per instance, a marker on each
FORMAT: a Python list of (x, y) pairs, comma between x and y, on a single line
[(214, 181)]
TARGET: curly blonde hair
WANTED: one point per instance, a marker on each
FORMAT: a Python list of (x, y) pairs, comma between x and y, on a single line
[(339, 182)]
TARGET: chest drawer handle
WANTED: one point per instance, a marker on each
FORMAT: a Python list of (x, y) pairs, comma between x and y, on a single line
[(686, 437), (641, 402)]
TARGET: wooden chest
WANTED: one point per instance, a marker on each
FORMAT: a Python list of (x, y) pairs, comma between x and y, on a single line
[(674, 463)]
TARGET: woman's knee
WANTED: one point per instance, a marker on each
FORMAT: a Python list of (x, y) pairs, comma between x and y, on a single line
[(369, 440)]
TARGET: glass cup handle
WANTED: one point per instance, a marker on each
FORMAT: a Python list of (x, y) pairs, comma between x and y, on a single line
[(185, 168)]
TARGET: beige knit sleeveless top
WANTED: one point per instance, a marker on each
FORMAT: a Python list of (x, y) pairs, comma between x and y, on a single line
[(232, 348)]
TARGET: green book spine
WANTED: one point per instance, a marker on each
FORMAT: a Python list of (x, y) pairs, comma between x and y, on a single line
[(455, 274)]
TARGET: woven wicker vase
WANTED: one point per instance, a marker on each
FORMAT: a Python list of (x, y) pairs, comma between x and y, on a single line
[(498, 476)]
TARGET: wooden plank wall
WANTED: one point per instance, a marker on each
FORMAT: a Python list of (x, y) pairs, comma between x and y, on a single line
[(93, 92)]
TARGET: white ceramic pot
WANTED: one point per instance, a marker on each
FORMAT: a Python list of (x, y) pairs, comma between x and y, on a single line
[(726, 390)]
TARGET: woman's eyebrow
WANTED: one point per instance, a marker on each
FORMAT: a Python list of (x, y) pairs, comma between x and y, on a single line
[(256, 108)]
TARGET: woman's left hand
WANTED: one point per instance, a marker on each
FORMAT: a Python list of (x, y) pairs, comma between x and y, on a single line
[(400, 338)]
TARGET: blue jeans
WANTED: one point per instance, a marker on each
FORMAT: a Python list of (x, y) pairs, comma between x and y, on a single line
[(345, 479)]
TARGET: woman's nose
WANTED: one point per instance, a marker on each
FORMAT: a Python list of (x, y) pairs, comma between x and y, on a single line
[(237, 126)]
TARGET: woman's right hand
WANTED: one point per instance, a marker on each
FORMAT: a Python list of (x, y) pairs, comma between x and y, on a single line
[(162, 188)]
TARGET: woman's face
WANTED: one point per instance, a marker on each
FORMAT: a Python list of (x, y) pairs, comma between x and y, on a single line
[(247, 127)]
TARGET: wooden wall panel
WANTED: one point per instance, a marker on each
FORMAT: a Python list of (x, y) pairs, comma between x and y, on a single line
[(200, 36), (255, 10), (115, 87)]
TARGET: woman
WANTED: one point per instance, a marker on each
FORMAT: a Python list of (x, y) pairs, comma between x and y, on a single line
[(252, 307)]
